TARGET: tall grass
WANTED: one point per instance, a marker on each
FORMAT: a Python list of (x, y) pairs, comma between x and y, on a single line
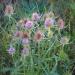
[(47, 57)]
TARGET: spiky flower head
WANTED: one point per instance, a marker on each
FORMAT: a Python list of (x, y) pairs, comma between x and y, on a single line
[(38, 36), (11, 50), (29, 24), (35, 16), (49, 22), (25, 35), (9, 10), (25, 41), (61, 23), (25, 38), (64, 40)]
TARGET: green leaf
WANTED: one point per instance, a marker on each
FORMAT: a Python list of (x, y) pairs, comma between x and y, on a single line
[(63, 56)]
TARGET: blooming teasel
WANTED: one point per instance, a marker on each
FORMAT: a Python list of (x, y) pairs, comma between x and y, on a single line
[(11, 50), (64, 40), (9, 10), (38, 36), (35, 16), (60, 23), (28, 24), (25, 41), (25, 38), (49, 22)]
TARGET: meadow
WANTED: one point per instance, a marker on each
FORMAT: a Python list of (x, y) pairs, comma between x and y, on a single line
[(37, 37)]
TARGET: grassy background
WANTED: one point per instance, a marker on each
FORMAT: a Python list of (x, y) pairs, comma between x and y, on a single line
[(63, 8)]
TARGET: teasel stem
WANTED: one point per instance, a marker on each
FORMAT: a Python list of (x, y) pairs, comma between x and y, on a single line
[(50, 33)]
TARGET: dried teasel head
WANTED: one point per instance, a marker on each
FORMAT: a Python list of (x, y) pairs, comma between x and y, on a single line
[(25, 35), (9, 10), (38, 36)]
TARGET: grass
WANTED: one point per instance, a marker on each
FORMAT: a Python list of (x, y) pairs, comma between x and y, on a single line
[(48, 57)]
